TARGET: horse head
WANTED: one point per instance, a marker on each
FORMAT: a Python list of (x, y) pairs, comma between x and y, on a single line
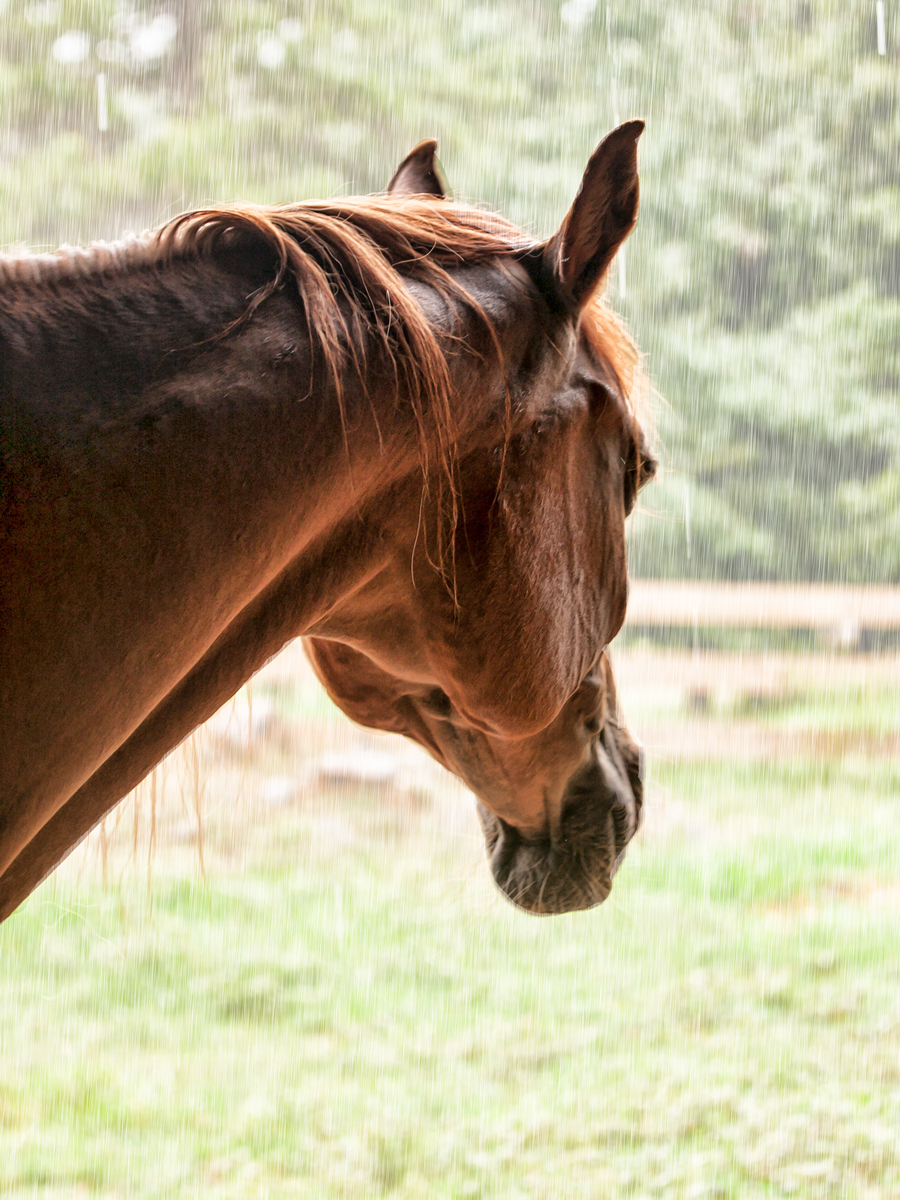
[(494, 658)]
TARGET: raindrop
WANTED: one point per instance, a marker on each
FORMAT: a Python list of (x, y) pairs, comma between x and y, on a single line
[(102, 109)]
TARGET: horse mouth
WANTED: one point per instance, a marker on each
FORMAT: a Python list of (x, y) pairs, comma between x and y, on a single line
[(574, 870)]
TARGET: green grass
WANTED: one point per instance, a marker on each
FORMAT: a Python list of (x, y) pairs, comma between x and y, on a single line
[(362, 1015), (847, 709), (871, 709)]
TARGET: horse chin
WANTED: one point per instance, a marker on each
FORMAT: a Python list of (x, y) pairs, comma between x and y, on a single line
[(571, 872)]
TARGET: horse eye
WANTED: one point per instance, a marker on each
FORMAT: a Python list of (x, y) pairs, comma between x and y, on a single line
[(632, 484), (640, 468), (649, 465)]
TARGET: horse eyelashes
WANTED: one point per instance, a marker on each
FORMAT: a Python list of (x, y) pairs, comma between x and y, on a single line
[(640, 468)]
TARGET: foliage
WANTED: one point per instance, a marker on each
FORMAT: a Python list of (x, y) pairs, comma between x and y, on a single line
[(351, 1015), (764, 280)]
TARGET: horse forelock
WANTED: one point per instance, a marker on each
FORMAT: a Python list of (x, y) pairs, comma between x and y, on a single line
[(611, 340), (350, 261)]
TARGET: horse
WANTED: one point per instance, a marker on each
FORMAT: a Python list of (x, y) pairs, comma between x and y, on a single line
[(394, 426)]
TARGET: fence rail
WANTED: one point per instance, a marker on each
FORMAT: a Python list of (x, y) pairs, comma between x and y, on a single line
[(663, 602)]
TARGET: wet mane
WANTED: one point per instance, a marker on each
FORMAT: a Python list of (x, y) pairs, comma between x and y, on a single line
[(349, 260), (610, 338)]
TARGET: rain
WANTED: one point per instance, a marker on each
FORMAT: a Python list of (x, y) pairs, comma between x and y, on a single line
[(281, 968)]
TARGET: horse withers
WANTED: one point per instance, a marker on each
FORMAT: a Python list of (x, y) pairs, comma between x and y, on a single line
[(394, 426)]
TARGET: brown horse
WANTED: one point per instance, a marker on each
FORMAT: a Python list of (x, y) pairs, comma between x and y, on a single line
[(395, 426)]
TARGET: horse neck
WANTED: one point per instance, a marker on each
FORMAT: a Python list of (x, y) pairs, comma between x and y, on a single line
[(85, 348), (179, 505), (205, 465), (121, 364), (174, 503)]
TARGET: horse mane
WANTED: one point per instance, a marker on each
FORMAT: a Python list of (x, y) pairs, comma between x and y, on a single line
[(359, 250), (350, 261), (356, 248)]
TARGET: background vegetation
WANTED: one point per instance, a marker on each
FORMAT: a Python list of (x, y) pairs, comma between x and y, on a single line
[(344, 1007), (764, 281), (335, 1002)]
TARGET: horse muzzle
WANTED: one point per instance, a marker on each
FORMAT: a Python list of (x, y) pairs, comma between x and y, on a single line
[(574, 868)]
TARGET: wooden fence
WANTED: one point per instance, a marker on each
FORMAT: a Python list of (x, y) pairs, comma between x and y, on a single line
[(664, 602)]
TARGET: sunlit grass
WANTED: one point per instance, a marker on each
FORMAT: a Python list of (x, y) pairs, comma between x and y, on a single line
[(356, 1012)]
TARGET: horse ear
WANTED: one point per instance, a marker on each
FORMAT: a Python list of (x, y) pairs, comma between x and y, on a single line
[(419, 174), (602, 215)]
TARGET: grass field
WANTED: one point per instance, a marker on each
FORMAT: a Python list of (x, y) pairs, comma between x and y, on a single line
[(341, 1005)]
